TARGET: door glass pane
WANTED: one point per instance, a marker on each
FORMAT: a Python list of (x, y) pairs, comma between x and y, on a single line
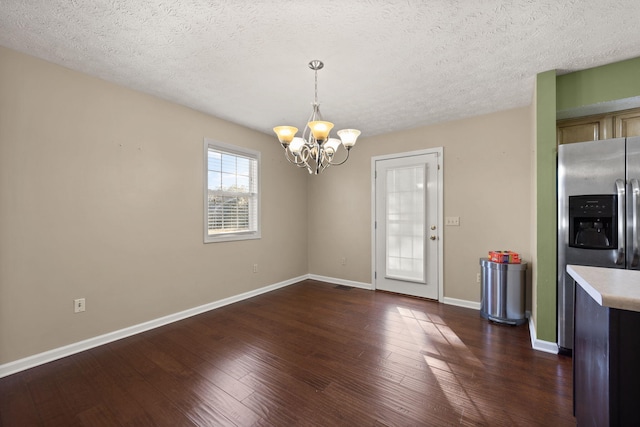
[(405, 223)]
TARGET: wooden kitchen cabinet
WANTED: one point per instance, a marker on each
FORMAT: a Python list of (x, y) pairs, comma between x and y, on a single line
[(627, 124), (584, 129), (606, 369), (604, 126)]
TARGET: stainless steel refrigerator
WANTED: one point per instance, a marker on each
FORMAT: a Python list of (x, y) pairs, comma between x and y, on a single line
[(598, 215)]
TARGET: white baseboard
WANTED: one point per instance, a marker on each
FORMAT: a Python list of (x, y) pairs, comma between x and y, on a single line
[(461, 303), (343, 282), (68, 350), (58, 353), (540, 345)]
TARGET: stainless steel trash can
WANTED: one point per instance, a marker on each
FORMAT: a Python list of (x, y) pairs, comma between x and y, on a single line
[(503, 291)]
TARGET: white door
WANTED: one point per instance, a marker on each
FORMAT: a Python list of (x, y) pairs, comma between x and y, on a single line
[(407, 221)]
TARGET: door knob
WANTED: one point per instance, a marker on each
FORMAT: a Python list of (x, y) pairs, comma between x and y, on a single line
[(433, 238)]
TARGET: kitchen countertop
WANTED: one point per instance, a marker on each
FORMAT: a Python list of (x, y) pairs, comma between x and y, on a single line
[(609, 287)]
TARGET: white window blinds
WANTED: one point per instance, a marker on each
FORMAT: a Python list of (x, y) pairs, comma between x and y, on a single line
[(231, 193)]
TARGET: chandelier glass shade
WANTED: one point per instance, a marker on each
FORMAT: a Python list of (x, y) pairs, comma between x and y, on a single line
[(315, 150)]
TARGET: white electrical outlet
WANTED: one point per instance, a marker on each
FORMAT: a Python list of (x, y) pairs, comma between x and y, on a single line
[(255, 268), (478, 277), (79, 305), (343, 261), (452, 220)]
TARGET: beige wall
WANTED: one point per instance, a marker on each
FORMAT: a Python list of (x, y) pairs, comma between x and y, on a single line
[(487, 183), (101, 197)]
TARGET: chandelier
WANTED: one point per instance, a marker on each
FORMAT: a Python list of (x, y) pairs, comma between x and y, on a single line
[(315, 150)]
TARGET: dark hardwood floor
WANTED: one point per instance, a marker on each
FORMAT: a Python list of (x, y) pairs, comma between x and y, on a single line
[(311, 354)]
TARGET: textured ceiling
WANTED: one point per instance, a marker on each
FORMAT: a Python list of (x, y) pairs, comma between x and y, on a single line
[(388, 64)]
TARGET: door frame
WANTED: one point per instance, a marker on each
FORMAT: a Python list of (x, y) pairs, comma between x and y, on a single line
[(439, 152)]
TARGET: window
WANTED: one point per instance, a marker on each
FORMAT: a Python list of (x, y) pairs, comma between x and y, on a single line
[(231, 196)]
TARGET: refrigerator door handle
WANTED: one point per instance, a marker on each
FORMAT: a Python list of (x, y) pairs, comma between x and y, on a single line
[(620, 188), (635, 192)]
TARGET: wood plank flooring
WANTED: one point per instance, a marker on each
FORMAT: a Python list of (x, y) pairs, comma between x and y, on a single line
[(311, 354)]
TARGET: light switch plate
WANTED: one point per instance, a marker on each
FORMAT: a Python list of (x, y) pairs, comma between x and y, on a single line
[(452, 220), (79, 305)]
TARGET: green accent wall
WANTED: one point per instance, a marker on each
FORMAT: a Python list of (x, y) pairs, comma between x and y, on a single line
[(601, 84), (606, 83), (545, 310)]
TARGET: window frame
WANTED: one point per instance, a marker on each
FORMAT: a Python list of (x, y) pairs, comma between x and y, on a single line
[(210, 144)]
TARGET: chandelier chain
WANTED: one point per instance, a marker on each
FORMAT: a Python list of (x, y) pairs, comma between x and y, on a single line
[(316, 93)]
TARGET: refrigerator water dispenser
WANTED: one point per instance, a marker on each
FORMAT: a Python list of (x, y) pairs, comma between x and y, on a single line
[(593, 221)]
